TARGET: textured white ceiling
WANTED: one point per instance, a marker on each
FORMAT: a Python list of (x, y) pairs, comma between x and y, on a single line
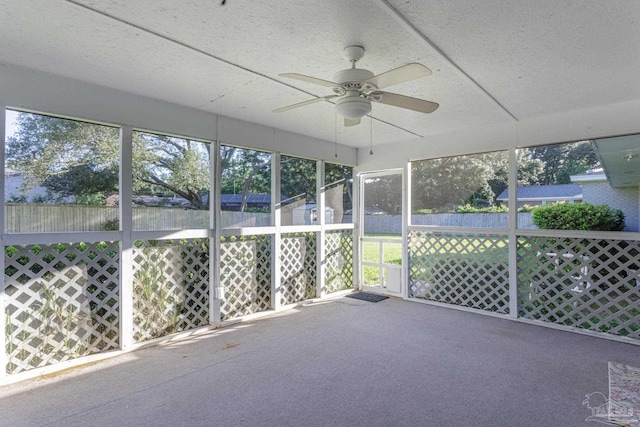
[(493, 61)]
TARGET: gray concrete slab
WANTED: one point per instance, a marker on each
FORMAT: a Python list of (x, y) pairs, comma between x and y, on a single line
[(342, 362)]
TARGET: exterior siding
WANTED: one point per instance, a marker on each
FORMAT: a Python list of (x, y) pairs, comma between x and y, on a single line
[(626, 199)]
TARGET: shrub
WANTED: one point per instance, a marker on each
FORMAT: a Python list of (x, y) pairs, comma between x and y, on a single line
[(111, 225), (526, 208), (489, 209), (578, 216)]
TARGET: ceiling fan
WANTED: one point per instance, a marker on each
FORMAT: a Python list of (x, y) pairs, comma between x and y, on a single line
[(355, 88)]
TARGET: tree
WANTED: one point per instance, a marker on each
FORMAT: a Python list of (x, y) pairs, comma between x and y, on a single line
[(529, 169), (85, 182), (298, 178), (497, 182), (176, 165), (384, 192), (245, 172), (66, 157), (72, 158), (560, 161), (451, 181)]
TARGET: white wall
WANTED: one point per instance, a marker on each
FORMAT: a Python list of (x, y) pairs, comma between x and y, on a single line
[(33, 90), (27, 89), (589, 123)]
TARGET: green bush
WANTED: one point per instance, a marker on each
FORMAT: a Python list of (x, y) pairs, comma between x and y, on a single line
[(526, 208), (111, 225), (578, 216), (489, 209)]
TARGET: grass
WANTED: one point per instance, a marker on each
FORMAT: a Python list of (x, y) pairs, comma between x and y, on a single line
[(447, 246), (392, 254)]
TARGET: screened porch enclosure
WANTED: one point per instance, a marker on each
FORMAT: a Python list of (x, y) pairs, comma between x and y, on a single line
[(154, 253), (154, 265), (118, 237), (64, 301), (160, 262)]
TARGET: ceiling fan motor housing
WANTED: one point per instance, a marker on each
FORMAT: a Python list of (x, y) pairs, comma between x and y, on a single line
[(352, 76), (352, 105)]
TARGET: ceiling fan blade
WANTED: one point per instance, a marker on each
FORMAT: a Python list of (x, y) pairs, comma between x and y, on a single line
[(309, 79), (303, 103), (351, 122), (399, 75), (402, 101)]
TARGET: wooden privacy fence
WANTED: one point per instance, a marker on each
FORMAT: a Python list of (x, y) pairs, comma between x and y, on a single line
[(392, 224), (34, 218)]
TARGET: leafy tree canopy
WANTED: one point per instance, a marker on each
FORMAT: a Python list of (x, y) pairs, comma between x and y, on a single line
[(451, 181), (554, 164), (72, 158)]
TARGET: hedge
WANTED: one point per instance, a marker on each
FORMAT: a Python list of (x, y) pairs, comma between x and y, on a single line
[(578, 216)]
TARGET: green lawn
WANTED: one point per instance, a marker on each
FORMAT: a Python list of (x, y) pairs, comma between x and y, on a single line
[(440, 246), (371, 253), (392, 251)]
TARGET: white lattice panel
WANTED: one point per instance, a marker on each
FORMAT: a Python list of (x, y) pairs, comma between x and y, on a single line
[(245, 274), (62, 302), (171, 286), (338, 260), (298, 267), (466, 270), (584, 283)]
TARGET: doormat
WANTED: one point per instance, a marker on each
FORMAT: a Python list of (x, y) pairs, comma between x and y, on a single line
[(366, 296)]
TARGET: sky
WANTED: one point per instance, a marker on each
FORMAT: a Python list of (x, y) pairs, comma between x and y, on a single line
[(10, 126)]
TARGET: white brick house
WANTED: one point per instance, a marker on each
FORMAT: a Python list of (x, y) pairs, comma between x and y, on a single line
[(597, 190)]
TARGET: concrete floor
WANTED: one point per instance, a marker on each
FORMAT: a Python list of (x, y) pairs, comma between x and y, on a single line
[(342, 362)]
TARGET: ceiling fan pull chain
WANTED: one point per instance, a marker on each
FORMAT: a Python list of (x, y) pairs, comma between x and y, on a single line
[(371, 135), (335, 132)]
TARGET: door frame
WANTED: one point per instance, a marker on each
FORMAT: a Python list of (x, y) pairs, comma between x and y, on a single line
[(404, 218)]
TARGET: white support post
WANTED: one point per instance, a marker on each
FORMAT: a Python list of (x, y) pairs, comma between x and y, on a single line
[(358, 229), (406, 218), (126, 240), (320, 246), (276, 282), (4, 357), (216, 291), (513, 242)]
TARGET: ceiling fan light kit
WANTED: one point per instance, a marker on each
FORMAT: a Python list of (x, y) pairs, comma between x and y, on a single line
[(353, 107), (355, 88)]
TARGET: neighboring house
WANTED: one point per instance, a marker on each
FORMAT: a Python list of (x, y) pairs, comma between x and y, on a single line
[(374, 210), (536, 195), (13, 190), (162, 202), (151, 201), (233, 202), (617, 184), (597, 190)]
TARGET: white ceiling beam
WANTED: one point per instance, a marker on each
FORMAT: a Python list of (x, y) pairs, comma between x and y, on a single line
[(409, 26), (214, 57)]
